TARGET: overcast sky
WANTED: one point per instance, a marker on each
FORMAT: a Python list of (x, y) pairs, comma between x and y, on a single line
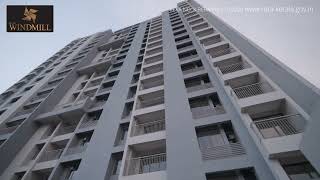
[(292, 38)]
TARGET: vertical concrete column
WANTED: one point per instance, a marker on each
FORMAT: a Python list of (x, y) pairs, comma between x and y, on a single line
[(98, 153), (262, 168), (183, 153)]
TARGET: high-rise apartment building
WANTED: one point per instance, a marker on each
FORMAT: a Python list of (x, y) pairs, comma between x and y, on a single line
[(181, 96)]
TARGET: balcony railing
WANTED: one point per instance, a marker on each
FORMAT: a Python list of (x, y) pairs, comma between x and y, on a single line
[(89, 123), (66, 130), (98, 103), (39, 97), (151, 102), (199, 87), (222, 52), (152, 71), (205, 111), (24, 111), (233, 68), (76, 150), (7, 130), (279, 126), (104, 89), (223, 151), (189, 57), (184, 48), (51, 155), (148, 127), (76, 103), (151, 84), (146, 164), (193, 70), (252, 90)]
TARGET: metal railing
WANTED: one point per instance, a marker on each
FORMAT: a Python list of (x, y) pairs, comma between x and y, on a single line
[(199, 87), (7, 130), (214, 41), (148, 127), (51, 155), (146, 164), (252, 90), (223, 151), (66, 130), (189, 57), (24, 111), (279, 126), (151, 102), (103, 89), (76, 150), (152, 71), (184, 48), (233, 67), (193, 70), (39, 97), (98, 103), (222, 52), (205, 111), (70, 104), (147, 85), (89, 123)]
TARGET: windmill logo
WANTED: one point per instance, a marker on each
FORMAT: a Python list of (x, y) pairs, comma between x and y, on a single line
[(30, 15)]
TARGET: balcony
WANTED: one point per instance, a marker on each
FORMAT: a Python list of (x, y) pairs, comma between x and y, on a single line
[(146, 158), (89, 123), (184, 56), (151, 82), (39, 97), (154, 44), (79, 143), (107, 86), (66, 129), (185, 46), (219, 141), (205, 106), (50, 155), (233, 67), (94, 67), (205, 32), (195, 69), (154, 50), (25, 111), (297, 167), (113, 43), (152, 69), (252, 90), (278, 126), (222, 151), (68, 169), (150, 99), (5, 131), (199, 87), (148, 123), (238, 174), (196, 21), (91, 119), (153, 59), (147, 164), (200, 26), (66, 110), (217, 51), (197, 83), (210, 39)]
